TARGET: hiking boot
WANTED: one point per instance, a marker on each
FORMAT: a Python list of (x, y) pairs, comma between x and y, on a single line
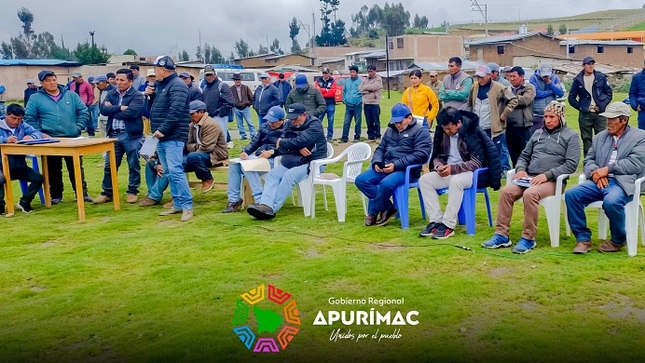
[(26, 207), (429, 230), (131, 198), (233, 206), (443, 232), (102, 198), (582, 247), (524, 245), (170, 204), (186, 215), (147, 202), (497, 241), (370, 220), (261, 211), (610, 246), (386, 216), (207, 185), (170, 211)]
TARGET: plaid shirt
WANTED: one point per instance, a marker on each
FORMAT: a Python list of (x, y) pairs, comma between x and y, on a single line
[(118, 126)]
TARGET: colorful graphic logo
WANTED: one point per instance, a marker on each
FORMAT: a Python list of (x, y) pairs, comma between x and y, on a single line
[(268, 321)]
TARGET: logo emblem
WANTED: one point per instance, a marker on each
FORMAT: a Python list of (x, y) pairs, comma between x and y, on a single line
[(273, 312)]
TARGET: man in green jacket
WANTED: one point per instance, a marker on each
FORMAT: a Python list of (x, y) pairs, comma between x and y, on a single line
[(308, 96), (58, 112)]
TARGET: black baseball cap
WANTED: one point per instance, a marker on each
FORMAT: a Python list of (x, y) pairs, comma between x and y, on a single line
[(295, 110)]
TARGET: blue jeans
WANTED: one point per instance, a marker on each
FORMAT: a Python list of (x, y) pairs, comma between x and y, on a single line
[(379, 187), (241, 116), (279, 184), (223, 123), (613, 200), (129, 147), (355, 111), (500, 143), (93, 122), (156, 184), (330, 110), (235, 174), (641, 120), (171, 156), (199, 162)]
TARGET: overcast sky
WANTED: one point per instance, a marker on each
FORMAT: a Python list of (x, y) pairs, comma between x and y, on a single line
[(166, 27)]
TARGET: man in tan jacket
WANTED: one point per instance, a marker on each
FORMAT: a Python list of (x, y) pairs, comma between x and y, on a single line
[(370, 89), (490, 100), (206, 145)]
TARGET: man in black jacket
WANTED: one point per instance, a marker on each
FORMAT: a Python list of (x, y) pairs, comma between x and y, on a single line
[(460, 147), (590, 94), (169, 118), (123, 106), (219, 100), (404, 143), (301, 142)]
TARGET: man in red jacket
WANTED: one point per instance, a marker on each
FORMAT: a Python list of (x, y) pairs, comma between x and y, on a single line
[(328, 87), (86, 92)]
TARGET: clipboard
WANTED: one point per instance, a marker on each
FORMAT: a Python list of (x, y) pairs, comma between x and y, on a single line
[(149, 147)]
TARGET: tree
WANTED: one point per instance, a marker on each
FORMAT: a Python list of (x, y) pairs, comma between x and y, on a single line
[(549, 29), (274, 47), (295, 47), (242, 49), (360, 22), (263, 50), (332, 33), (130, 52), (216, 56), (183, 57), (562, 29), (207, 53), (91, 54), (28, 44), (294, 29), (395, 19), (420, 22), (27, 18), (231, 58), (198, 54)]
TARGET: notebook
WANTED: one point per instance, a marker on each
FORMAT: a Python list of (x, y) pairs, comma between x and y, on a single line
[(37, 141)]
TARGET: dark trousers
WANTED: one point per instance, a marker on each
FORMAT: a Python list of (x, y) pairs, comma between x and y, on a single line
[(199, 162), (55, 174), (516, 140), (591, 124), (27, 174), (641, 120), (372, 119), (538, 123), (130, 148)]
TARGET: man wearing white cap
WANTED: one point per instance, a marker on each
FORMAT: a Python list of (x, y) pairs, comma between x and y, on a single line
[(615, 160), (30, 90), (547, 89), (265, 97), (219, 99)]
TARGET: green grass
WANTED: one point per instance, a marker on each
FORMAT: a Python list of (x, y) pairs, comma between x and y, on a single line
[(640, 26), (133, 286)]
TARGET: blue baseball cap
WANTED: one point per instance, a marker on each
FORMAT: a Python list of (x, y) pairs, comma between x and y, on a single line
[(195, 106), (301, 81), (276, 113), (399, 112)]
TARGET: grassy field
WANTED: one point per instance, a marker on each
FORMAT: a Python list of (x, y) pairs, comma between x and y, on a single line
[(133, 286)]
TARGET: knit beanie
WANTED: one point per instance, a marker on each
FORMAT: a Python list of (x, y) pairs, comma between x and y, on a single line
[(557, 108)]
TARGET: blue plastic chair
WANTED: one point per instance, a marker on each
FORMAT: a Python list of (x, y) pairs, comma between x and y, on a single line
[(23, 184), (468, 207), (402, 196)]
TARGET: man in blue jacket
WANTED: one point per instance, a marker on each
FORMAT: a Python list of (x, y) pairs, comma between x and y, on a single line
[(548, 88), (219, 100), (265, 97), (353, 101), (123, 107), (637, 96), (58, 112), (169, 118), (12, 130), (590, 94), (404, 143), (302, 141), (614, 162), (283, 86)]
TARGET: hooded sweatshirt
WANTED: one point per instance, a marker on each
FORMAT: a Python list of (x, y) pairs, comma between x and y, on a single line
[(23, 129)]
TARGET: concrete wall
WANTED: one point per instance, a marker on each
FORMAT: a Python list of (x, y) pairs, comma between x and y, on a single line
[(613, 54), (426, 48), (290, 59), (531, 46)]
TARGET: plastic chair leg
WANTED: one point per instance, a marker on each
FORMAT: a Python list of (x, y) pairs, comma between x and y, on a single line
[(468, 203), (552, 211), (490, 215), (631, 227), (603, 224), (341, 200), (423, 207), (401, 199)]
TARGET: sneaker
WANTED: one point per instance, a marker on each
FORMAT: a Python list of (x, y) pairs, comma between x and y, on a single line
[(497, 241), (55, 201), (443, 232), (186, 215), (610, 246), (207, 185), (233, 206), (147, 202), (170, 204), (102, 198), (230, 145), (87, 198), (524, 245), (170, 211), (131, 198), (429, 230), (386, 216), (261, 211), (26, 207), (343, 140), (370, 220), (582, 247)]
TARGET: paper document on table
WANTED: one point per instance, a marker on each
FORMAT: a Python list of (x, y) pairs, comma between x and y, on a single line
[(252, 164), (149, 146)]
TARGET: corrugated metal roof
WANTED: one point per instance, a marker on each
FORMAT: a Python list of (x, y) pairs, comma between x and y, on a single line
[(601, 42), (375, 54), (502, 39), (285, 55), (39, 62)]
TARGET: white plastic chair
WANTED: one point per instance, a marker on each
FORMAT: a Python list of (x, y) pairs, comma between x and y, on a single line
[(304, 188), (552, 206), (356, 155), (634, 218)]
